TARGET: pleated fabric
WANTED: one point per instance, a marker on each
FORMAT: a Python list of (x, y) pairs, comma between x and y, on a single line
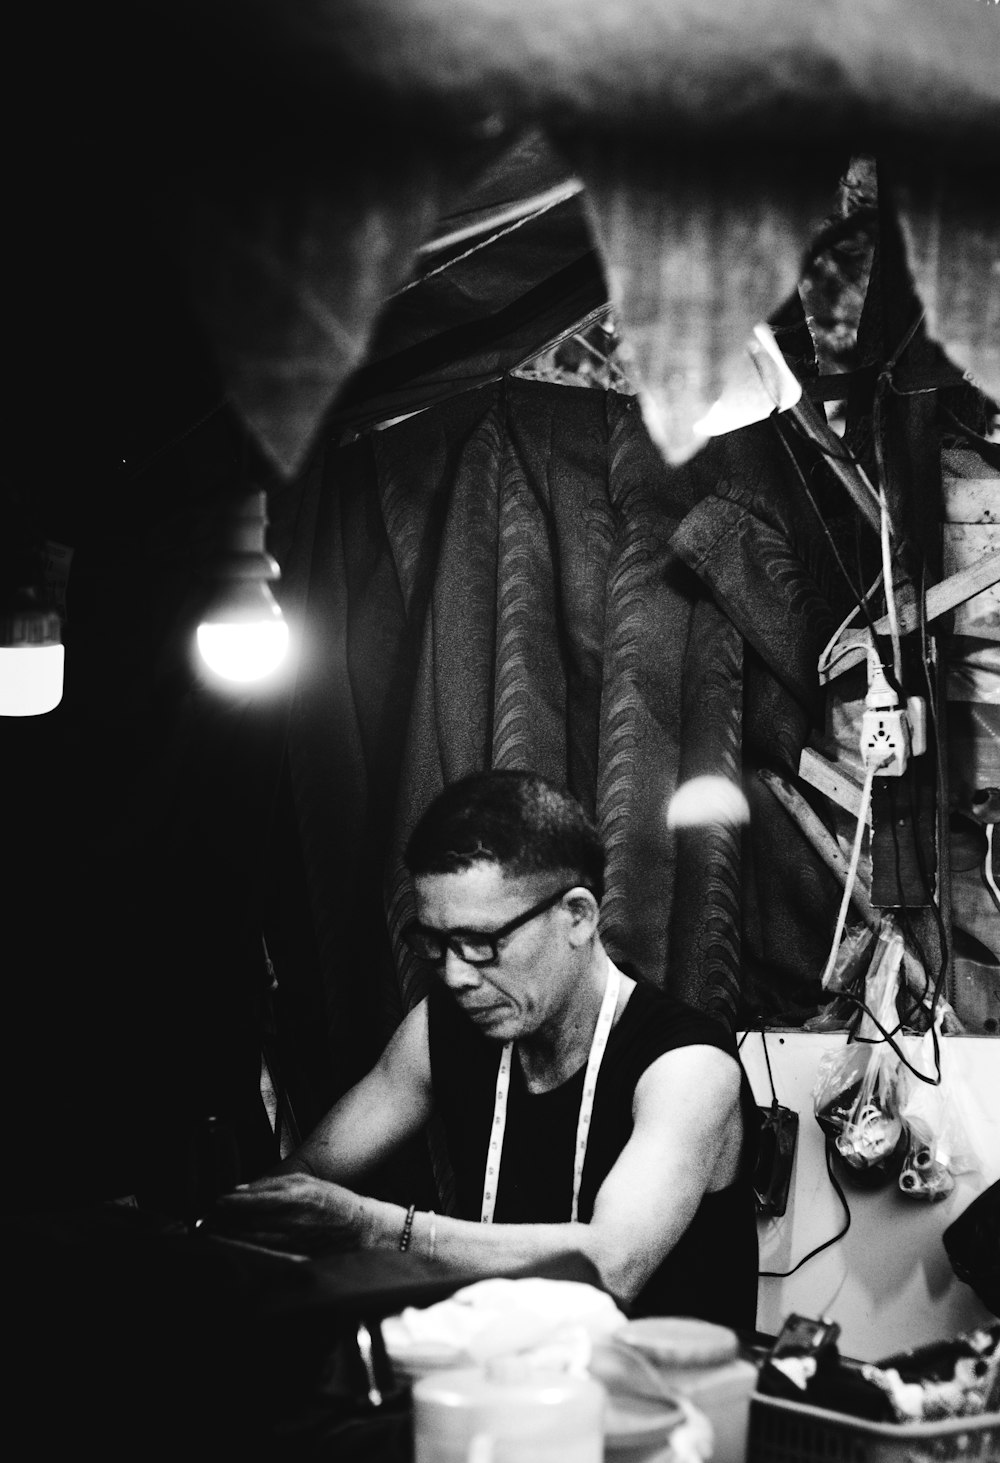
[(515, 578)]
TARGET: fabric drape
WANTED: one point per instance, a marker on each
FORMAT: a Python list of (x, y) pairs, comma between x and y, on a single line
[(515, 578)]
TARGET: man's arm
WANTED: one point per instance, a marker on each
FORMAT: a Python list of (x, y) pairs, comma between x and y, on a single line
[(388, 1106), (685, 1142)]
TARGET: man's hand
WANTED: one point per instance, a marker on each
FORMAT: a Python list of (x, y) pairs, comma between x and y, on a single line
[(291, 1211)]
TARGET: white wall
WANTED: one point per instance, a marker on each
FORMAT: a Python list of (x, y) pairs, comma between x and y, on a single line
[(888, 1283)]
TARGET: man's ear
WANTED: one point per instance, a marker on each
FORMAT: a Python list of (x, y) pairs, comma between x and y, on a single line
[(585, 912)]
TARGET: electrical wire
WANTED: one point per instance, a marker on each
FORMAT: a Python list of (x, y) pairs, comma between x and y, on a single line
[(842, 455), (930, 892), (767, 1059), (852, 872), (887, 1037), (849, 994), (181, 435), (863, 1009), (783, 1274), (910, 934), (890, 591), (926, 656), (859, 598), (887, 529), (886, 533), (778, 420), (824, 661), (987, 866), (885, 545)]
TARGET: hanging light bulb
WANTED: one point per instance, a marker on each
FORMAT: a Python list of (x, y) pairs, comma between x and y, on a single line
[(243, 636), (708, 800), (31, 654), (247, 638)]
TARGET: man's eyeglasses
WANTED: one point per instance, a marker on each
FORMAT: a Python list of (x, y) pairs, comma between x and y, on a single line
[(475, 947)]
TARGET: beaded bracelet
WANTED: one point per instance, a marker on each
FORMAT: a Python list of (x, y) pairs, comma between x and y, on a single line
[(404, 1242)]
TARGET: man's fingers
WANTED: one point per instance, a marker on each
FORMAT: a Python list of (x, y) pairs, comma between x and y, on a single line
[(251, 1203), (266, 1239), (281, 1186)]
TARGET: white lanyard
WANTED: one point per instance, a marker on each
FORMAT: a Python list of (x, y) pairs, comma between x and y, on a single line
[(604, 1020)]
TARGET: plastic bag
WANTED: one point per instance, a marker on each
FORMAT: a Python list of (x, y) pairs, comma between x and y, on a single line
[(854, 952), (939, 1143), (857, 1093)]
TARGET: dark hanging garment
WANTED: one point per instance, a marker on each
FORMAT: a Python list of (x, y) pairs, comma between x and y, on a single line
[(712, 1271)]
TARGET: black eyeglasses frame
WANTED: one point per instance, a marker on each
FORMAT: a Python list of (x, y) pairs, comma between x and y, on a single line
[(459, 941)]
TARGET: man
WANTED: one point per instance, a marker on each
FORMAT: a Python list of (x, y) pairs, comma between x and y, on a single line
[(583, 1110)]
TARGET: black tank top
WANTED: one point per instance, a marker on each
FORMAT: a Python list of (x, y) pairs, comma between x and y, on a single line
[(711, 1272)]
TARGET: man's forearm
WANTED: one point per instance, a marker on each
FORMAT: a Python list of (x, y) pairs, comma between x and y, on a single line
[(299, 1211), (492, 1249)]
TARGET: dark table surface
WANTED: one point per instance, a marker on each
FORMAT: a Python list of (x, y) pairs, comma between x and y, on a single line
[(144, 1339)]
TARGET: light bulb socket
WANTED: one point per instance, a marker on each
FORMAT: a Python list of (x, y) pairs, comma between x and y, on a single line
[(243, 552), (250, 566), (27, 621), (31, 654), (242, 636), (242, 599)]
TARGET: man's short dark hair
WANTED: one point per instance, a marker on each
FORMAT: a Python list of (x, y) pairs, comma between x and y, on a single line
[(515, 819)]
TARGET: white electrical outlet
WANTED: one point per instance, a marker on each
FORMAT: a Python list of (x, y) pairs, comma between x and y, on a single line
[(885, 742)]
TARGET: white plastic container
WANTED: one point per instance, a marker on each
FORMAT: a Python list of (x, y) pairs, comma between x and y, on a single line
[(701, 1362), (507, 1413)]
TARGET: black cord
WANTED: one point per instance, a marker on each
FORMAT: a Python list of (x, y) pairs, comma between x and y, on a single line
[(928, 887), (175, 441), (778, 421), (783, 1274), (939, 769), (767, 1059), (859, 599), (909, 933), (932, 712), (910, 936), (886, 1037)]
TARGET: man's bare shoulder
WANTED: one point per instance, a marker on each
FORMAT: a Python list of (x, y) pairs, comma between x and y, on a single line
[(406, 1056), (697, 1069)]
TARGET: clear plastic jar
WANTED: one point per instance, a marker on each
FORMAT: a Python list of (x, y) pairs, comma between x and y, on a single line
[(700, 1362), (507, 1413)]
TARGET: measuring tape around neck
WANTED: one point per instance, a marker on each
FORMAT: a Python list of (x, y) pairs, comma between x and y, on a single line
[(600, 1040)]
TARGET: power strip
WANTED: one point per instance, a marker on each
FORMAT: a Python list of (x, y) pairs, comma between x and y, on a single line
[(885, 742), (890, 734)]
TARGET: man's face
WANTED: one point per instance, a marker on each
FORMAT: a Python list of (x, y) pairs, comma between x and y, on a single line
[(528, 987)]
